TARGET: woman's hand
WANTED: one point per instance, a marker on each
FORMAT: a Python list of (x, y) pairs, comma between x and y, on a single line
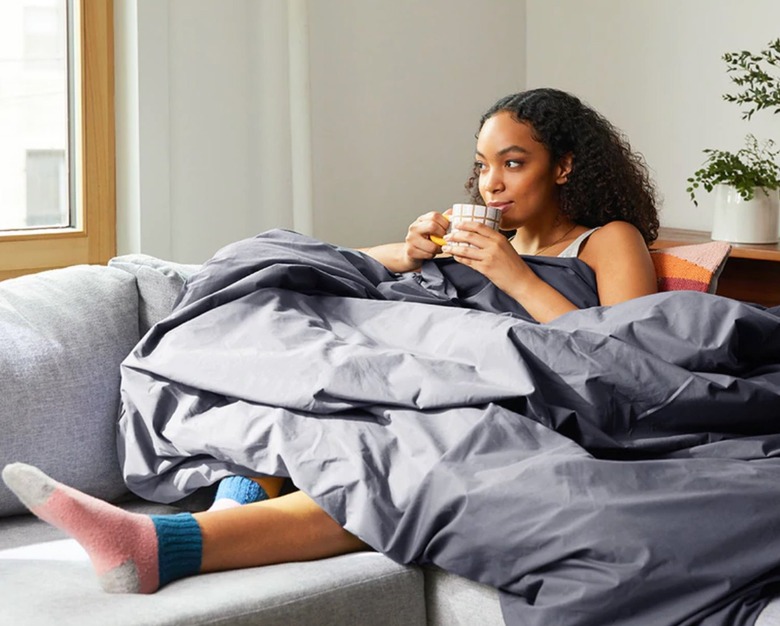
[(418, 246), (491, 255), (495, 258)]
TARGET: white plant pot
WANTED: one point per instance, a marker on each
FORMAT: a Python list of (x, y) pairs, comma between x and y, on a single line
[(745, 221)]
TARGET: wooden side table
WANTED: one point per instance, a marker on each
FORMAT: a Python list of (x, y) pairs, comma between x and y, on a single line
[(752, 272)]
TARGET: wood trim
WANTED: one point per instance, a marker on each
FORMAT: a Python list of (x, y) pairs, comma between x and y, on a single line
[(94, 239), (27, 255), (98, 173), (679, 237)]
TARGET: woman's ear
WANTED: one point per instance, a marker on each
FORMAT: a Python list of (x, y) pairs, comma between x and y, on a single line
[(563, 169)]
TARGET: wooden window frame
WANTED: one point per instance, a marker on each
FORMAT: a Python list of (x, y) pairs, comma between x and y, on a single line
[(93, 238)]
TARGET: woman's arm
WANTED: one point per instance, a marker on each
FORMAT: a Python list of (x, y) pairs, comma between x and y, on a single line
[(618, 255), (493, 256), (392, 256)]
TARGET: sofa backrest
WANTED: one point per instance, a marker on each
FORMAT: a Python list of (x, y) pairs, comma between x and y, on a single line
[(63, 334), (159, 283)]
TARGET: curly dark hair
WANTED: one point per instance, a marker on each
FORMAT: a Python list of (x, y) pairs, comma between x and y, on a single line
[(608, 181)]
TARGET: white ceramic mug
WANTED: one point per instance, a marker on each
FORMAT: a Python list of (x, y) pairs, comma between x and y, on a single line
[(490, 216)]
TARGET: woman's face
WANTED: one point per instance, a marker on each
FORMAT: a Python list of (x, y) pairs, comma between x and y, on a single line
[(515, 172)]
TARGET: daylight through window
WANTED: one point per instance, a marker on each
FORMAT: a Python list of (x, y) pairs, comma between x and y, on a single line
[(34, 111), (57, 145)]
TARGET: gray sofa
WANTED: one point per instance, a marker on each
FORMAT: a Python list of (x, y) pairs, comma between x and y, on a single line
[(63, 334)]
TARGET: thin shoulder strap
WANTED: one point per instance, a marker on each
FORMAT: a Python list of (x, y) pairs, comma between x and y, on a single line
[(573, 249)]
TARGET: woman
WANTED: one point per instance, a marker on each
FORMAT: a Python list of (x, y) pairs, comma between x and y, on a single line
[(565, 182), (557, 170)]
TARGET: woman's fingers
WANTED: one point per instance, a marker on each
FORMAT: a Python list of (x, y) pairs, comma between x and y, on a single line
[(422, 248), (432, 223), (425, 235), (473, 233)]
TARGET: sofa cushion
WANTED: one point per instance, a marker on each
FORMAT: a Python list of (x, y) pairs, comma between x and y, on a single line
[(52, 583), (455, 601), (63, 334), (159, 283), (770, 615)]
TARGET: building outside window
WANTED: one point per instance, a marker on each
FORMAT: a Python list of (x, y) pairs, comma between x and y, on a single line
[(47, 189)]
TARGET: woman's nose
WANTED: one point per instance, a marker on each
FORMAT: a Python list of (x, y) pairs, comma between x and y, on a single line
[(495, 181)]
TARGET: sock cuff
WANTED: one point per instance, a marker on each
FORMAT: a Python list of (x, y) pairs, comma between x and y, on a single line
[(240, 489), (180, 546)]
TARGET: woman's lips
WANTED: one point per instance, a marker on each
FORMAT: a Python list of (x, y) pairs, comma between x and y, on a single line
[(501, 206)]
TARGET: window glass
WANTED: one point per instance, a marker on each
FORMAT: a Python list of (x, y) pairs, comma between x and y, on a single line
[(34, 102)]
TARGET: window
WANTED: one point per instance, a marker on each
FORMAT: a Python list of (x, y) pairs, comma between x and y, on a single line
[(57, 204)]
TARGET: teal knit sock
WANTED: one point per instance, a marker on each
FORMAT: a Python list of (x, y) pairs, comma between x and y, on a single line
[(179, 546), (237, 490)]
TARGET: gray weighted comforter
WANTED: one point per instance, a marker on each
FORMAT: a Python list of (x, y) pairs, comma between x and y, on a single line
[(616, 466)]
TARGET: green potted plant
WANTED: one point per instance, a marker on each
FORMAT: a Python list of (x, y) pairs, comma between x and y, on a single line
[(746, 183)]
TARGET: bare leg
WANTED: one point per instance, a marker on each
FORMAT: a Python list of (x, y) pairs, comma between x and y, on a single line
[(135, 553), (271, 485), (288, 528)]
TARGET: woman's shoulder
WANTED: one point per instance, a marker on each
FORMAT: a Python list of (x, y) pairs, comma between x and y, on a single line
[(617, 232), (617, 228), (621, 260), (613, 237)]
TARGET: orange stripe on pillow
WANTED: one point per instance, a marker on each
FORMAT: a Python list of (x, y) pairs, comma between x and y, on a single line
[(667, 265)]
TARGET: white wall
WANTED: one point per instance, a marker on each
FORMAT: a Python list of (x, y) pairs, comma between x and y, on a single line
[(204, 115), (206, 108), (397, 91), (183, 86), (654, 68)]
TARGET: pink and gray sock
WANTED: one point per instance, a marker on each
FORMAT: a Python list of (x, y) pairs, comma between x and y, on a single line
[(131, 553)]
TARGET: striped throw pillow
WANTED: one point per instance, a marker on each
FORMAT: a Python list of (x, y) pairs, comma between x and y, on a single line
[(694, 267)]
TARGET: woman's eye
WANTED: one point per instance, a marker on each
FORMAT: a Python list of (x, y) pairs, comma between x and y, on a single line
[(479, 166), (514, 163)]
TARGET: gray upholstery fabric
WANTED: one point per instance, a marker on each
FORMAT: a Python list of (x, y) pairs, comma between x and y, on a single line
[(770, 616), (63, 334), (455, 601), (59, 588), (159, 283)]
